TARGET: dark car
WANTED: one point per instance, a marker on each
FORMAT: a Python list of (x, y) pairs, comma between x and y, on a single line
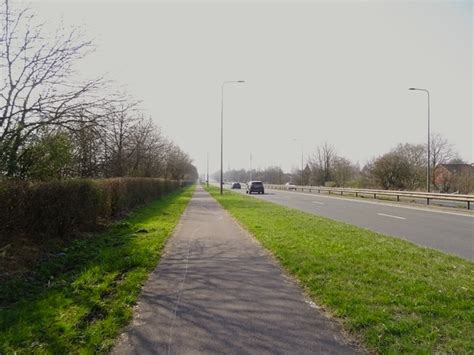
[(236, 185), (255, 186)]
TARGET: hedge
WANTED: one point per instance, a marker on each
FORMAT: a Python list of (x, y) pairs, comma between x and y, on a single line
[(57, 208)]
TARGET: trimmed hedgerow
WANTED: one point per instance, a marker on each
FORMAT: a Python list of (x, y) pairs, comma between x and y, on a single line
[(56, 208)]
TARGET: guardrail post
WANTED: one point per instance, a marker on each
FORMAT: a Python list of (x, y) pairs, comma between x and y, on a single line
[(341, 192), (375, 196), (319, 191), (357, 194), (468, 205), (427, 200)]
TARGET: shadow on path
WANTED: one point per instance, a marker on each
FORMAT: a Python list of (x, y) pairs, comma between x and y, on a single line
[(217, 291)]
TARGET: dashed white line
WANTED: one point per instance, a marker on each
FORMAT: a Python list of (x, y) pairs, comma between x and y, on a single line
[(318, 203), (391, 216), (417, 208)]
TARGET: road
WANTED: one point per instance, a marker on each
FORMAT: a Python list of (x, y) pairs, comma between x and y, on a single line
[(449, 231), (217, 291)]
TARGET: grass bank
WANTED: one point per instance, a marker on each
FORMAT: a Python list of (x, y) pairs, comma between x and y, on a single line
[(78, 301), (395, 296)]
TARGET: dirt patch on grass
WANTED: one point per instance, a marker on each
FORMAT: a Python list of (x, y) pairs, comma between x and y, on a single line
[(20, 255)]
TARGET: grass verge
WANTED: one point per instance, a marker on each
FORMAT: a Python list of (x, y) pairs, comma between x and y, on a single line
[(395, 296), (79, 301)]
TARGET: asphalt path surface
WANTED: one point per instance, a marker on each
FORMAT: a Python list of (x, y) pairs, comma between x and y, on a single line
[(449, 231), (217, 291)]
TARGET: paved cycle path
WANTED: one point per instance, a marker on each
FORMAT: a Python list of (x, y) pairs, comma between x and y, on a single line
[(216, 290)]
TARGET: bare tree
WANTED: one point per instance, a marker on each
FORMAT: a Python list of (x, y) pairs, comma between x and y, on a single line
[(441, 153), (88, 150), (441, 150), (343, 171), (271, 175), (179, 164), (149, 150), (120, 130), (36, 86), (321, 163)]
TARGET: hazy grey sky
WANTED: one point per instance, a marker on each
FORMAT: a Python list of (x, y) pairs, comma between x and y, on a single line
[(315, 71)]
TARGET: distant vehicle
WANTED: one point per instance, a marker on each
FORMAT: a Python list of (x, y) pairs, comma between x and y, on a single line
[(236, 185), (290, 187), (255, 186)]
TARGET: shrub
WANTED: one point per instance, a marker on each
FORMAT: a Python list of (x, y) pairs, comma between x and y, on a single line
[(330, 184), (58, 208)]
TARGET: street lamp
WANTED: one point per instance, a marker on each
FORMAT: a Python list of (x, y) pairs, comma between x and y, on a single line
[(207, 179), (428, 167), (222, 128), (250, 179), (302, 155)]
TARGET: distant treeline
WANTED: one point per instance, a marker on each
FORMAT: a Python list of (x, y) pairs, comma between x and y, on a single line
[(402, 168)]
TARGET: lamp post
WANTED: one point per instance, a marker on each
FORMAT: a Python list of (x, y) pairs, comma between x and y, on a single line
[(250, 167), (428, 167), (222, 128), (302, 158), (207, 179)]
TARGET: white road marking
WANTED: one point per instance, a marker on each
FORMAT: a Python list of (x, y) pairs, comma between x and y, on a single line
[(319, 203), (391, 216), (382, 204)]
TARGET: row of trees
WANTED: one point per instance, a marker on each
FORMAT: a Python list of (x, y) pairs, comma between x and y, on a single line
[(272, 175), (402, 168), (53, 125), (122, 144)]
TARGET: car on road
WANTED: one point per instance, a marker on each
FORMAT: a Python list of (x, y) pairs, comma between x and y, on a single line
[(255, 186), (236, 185), (290, 186)]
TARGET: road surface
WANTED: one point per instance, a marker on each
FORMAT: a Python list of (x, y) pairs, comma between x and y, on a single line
[(449, 231), (217, 291)]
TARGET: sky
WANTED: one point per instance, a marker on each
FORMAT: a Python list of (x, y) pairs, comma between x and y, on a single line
[(314, 71)]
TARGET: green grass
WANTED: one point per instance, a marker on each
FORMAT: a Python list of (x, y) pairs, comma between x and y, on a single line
[(393, 295), (78, 303)]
